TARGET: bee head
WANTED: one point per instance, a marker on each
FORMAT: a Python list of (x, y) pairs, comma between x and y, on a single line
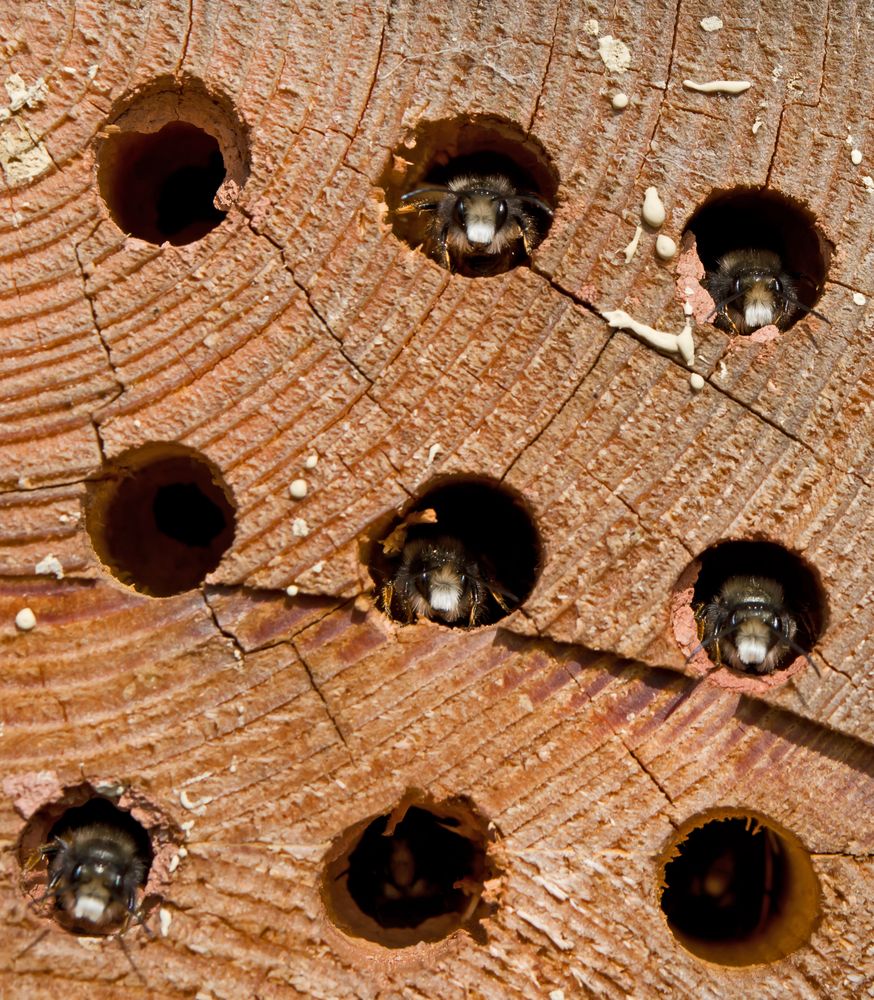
[(480, 213), (441, 578)]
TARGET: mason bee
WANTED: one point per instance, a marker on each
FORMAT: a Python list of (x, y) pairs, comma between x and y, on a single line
[(749, 626), (439, 578), (750, 289), (94, 872), (479, 225)]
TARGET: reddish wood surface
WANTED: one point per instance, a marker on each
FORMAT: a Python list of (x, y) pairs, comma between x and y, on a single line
[(300, 326)]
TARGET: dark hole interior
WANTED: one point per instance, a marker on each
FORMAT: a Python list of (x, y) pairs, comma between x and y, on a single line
[(494, 528), (757, 219), (165, 525), (185, 513), (728, 881), (160, 186), (100, 810), (403, 879), (802, 592)]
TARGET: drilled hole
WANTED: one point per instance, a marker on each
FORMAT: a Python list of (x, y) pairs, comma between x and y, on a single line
[(738, 889), (160, 518), (490, 225), (170, 162), (787, 246), (758, 608), (86, 865), (416, 874), (467, 553)]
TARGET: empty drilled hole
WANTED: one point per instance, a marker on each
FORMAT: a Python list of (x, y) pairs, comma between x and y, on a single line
[(467, 553), (738, 889), (416, 874), (170, 162), (160, 518), (502, 191), (765, 258), (86, 865), (757, 608)]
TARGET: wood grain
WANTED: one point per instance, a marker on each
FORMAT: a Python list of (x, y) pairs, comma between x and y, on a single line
[(302, 326)]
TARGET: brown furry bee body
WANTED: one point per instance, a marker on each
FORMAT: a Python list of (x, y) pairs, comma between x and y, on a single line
[(478, 225), (748, 626), (751, 289), (94, 873), (438, 578)]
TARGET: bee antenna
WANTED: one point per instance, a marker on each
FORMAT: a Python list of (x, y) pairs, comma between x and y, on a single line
[(724, 302), (808, 309), (793, 645)]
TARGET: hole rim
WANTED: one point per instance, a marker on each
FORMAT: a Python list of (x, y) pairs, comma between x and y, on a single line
[(359, 930), (145, 819), (800, 223), (140, 115), (803, 894), (118, 475)]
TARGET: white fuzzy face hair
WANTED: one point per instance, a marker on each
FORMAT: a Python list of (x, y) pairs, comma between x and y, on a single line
[(748, 626), (94, 873), (751, 289), (479, 225)]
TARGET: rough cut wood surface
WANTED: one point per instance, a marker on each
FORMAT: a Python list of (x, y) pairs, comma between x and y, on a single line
[(301, 325)]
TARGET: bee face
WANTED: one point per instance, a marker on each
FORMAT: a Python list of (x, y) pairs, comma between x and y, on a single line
[(747, 625), (751, 289), (439, 578), (478, 225), (94, 873)]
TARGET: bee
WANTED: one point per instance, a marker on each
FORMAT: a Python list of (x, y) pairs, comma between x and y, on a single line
[(94, 873), (439, 578), (751, 289), (748, 625), (479, 225)]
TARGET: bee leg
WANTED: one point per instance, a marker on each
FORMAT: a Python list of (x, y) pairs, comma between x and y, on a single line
[(502, 604), (445, 260), (386, 594), (530, 234)]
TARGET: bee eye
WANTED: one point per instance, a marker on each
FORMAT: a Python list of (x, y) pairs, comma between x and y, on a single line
[(732, 620), (76, 873), (777, 286), (776, 623), (116, 882), (459, 212), (500, 214), (737, 286)]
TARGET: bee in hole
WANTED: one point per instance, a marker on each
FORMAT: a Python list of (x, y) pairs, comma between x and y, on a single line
[(94, 873), (439, 578), (751, 289), (748, 626), (479, 225)]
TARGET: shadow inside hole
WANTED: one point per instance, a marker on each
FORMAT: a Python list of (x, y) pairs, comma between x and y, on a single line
[(727, 881), (406, 878), (162, 525), (803, 594), (739, 891), (494, 528), (758, 219), (160, 186), (100, 849), (415, 875)]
